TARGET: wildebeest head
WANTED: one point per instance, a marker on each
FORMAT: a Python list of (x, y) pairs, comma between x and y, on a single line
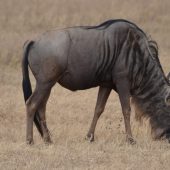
[(167, 101), (164, 131), (167, 98), (160, 116)]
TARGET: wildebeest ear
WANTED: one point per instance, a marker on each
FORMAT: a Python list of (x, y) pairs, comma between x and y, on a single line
[(168, 76), (167, 100)]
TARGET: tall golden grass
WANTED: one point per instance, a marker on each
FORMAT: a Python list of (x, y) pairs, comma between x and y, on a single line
[(69, 114)]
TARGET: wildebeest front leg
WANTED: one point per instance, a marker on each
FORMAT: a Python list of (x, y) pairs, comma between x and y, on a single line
[(124, 96), (103, 95)]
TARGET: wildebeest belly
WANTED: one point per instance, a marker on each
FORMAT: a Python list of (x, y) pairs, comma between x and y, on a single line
[(72, 82), (80, 73), (69, 81)]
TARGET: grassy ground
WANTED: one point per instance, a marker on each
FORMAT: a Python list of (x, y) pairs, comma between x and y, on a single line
[(69, 114)]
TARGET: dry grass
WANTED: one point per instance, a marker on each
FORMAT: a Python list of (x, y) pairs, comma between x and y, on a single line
[(69, 114)]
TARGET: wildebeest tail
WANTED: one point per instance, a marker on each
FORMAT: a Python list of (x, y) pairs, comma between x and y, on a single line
[(26, 84)]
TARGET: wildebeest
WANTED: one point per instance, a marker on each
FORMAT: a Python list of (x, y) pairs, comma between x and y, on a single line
[(116, 55)]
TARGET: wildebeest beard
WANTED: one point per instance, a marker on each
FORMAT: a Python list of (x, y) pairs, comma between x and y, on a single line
[(150, 94)]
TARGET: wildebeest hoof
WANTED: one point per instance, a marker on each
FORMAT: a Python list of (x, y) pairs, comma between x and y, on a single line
[(30, 142), (130, 140), (168, 138), (48, 141), (90, 137), (169, 141)]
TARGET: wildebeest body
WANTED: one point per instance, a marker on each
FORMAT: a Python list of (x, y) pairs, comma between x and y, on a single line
[(87, 55), (114, 55)]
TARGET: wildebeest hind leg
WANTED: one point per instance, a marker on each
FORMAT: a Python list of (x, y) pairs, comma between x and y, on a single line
[(42, 110), (103, 95), (124, 96), (32, 105)]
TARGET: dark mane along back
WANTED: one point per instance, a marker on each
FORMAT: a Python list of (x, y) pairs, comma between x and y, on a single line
[(106, 24)]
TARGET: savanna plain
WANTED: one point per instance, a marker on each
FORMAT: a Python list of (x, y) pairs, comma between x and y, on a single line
[(69, 114)]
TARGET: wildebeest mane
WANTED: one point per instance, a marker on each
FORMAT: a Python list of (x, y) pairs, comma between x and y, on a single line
[(106, 24), (153, 48)]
